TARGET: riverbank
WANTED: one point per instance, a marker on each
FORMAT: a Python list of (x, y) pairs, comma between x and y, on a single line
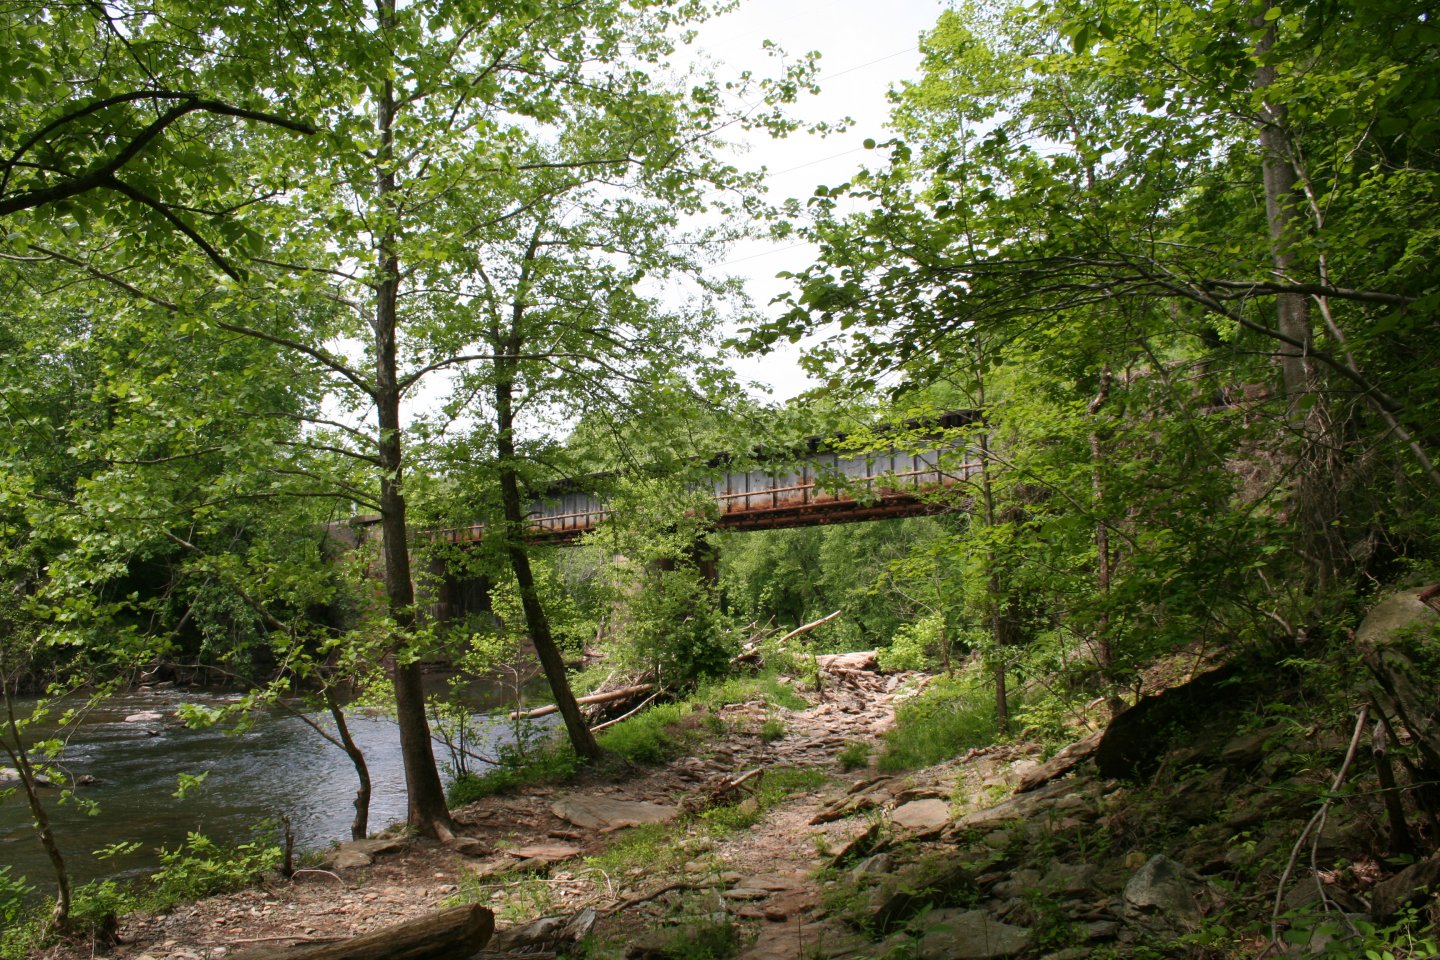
[(1187, 851)]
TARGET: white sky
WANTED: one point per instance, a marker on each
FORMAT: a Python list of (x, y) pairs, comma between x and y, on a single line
[(866, 48)]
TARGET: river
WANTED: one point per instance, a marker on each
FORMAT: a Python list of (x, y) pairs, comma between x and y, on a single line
[(278, 767)]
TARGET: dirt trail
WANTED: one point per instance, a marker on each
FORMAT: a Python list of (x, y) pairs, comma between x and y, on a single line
[(761, 877)]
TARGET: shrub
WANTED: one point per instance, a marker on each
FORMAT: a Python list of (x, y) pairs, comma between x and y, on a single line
[(201, 868)]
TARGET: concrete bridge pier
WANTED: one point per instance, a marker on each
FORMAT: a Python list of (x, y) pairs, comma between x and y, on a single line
[(454, 597)]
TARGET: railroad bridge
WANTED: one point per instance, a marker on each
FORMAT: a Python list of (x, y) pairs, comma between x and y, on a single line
[(812, 487), (815, 485)]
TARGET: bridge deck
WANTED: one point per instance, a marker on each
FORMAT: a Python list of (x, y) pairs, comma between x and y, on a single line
[(827, 488)]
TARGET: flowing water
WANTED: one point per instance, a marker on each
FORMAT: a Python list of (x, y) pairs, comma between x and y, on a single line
[(278, 767)]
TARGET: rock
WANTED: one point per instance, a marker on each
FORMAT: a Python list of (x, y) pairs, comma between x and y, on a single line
[(903, 893), (745, 893), (1019, 883), (10, 777), (879, 864), (921, 816), (1060, 764), (861, 844), (362, 853), (1020, 807), (490, 868), (1400, 642), (969, 935), (1069, 878), (1101, 929), (145, 716), (1130, 746), (1413, 885), (470, 847), (864, 660), (546, 933), (1247, 749), (1396, 613), (350, 860), (544, 853), (1163, 897), (769, 883), (606, 814)]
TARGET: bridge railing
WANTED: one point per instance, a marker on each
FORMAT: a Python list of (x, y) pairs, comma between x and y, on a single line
[(831, 488)]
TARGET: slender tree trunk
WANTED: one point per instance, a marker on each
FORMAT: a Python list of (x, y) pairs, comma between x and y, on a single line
[(43, 830), (360, 826), (998, 631), (427, 811), (1284, 217), (1316, 509), (1104, 650), (536, 622)]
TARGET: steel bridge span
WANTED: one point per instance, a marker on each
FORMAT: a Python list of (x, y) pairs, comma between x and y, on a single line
[(822, 488)]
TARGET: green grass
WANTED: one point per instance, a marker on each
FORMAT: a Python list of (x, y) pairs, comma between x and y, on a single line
[(660, 733), (760, 686), (548, 763), (950, 717), (853, 755), (653, 736)]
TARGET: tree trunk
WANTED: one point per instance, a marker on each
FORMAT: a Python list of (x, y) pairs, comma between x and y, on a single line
[(18, 757), (427, 811), (1104, 650), (537, 623), (993, 586), (1292, 315), (360, 826)]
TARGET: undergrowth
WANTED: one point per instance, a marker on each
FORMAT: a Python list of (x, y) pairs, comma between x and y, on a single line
[(198, 868), (654, 736), (951, 716)]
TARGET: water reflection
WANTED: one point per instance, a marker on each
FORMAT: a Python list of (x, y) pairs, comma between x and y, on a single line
[(278, 767)]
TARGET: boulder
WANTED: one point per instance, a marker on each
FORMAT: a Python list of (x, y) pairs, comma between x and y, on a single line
[(606, 814), (904, 893), (1400, 641), (864, 660), (1163, 897), (969, 935), (1132, 745), (10, 777), (539, 856), (1413, 885), (145, 716), (921, 816), (362, 853)]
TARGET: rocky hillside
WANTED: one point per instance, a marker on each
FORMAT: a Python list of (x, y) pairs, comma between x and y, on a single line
[(1233, 815)]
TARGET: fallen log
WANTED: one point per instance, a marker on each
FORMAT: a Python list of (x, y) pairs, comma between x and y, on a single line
[(806, 628), (606, 697), (451, 933)]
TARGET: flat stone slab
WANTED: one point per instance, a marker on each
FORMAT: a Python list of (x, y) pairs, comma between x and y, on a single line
[(605, 813), (145, 716), (970, 935), (545, 853), (921, 815), (362, 853)]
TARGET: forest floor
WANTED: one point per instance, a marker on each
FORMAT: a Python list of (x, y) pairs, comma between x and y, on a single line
[(765, 846), (757, 878)]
